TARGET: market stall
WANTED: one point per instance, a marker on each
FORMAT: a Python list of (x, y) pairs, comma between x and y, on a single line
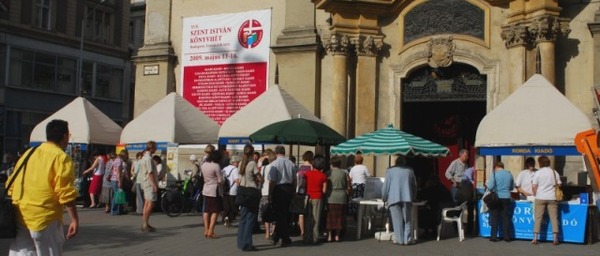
[(87, 125), (536, 119), (170, 122), (272, 106), (387, 141)]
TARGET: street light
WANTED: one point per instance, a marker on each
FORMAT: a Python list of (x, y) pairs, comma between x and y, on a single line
[(80, 63)]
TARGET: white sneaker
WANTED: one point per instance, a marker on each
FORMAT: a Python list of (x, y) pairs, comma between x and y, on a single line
[(227, 224)]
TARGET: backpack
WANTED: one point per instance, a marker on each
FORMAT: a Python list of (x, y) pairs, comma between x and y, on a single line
[(226, 183)]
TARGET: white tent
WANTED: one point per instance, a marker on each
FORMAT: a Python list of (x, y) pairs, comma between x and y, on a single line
[(536, 114), (172, 119), (272, 106), (87, 124)]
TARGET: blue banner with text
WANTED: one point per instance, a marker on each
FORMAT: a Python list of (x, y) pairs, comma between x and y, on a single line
[(572, 220)]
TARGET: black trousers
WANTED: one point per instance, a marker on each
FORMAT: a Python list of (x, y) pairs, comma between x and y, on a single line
[(229, 208), (282, 196), (502, 210)]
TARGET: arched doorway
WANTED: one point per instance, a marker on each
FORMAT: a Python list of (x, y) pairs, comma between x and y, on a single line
[(444, 105)]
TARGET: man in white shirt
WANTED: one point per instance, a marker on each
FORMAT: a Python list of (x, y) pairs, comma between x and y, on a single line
[(525, 179), (231, 173), (456, 170)]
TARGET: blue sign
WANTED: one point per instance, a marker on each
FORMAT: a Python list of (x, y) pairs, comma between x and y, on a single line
[(162, 146), (234, 141), (529, 150), (240, 141), (572, 218)]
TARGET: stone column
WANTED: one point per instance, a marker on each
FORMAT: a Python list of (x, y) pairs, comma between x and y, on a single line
[(298, 55), (335, 94), (545, 29), (515, 38), (595, 30), (155, 61), (367, 49)]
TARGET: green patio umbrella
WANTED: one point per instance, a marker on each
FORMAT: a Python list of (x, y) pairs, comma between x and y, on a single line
[(390, 141), (298, 131)]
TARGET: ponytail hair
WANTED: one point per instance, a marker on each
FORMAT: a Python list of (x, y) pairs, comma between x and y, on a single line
[(246, 158)]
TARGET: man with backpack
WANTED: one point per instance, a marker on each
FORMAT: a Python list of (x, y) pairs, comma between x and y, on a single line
[(230, 184)]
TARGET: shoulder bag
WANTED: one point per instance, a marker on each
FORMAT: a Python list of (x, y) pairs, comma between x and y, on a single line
[(8, 218), (491, 199), (557, 190), (247, 196)]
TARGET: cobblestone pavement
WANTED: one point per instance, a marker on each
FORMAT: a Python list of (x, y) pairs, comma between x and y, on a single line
[(102, 234)]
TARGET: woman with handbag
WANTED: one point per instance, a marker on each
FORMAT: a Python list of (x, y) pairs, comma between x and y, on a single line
[(298, 204), (545, 184), (248, 198), (211, 171)]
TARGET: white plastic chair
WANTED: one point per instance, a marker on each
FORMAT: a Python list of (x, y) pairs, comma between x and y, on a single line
[(458, 219)]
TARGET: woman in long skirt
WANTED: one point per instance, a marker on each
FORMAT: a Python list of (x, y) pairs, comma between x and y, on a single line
[(337, 197)]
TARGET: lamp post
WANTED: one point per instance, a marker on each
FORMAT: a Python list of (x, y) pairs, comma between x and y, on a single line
[(80, 62)]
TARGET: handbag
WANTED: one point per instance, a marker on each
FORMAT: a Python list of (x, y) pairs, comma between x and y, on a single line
[(268, 214), (491, 199), (8, 218), (120, 197), (298, 204), (557, 190), (248, 197)]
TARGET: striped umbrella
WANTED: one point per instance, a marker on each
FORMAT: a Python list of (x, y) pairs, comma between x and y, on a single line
[(390, 141)]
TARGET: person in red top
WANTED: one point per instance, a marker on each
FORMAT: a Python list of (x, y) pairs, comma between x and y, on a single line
[(316, 185)]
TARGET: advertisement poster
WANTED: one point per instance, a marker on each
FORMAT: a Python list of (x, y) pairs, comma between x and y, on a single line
[(225, 61)]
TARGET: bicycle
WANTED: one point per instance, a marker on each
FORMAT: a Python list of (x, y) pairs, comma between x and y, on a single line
[(182, 196)]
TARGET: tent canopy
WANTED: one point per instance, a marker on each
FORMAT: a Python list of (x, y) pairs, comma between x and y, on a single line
[(272, 106), (87, 124), (298, 131), (535, 119), (172, 119), (390, 141)]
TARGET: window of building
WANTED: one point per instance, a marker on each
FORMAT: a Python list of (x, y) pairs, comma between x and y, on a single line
[(18, 129), (41, 71), (2, 66), (87, 73), (109, 82), (42, 14), (98, 25)]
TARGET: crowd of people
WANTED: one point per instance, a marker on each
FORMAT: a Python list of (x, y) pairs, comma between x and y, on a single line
[(268, 190), (538, 186)]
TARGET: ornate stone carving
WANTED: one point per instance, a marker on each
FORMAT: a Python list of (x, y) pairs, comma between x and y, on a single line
[(548, 28), (458, 82), (337, 44), (514, 35), (444, 17), (538, 29), (441, 52), (367, 46)]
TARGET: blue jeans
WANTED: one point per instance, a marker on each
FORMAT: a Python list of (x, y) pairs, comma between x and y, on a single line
[(115, 209), (245, 227)]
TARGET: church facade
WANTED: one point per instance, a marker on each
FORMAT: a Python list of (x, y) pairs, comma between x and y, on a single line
[(431, 68)]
